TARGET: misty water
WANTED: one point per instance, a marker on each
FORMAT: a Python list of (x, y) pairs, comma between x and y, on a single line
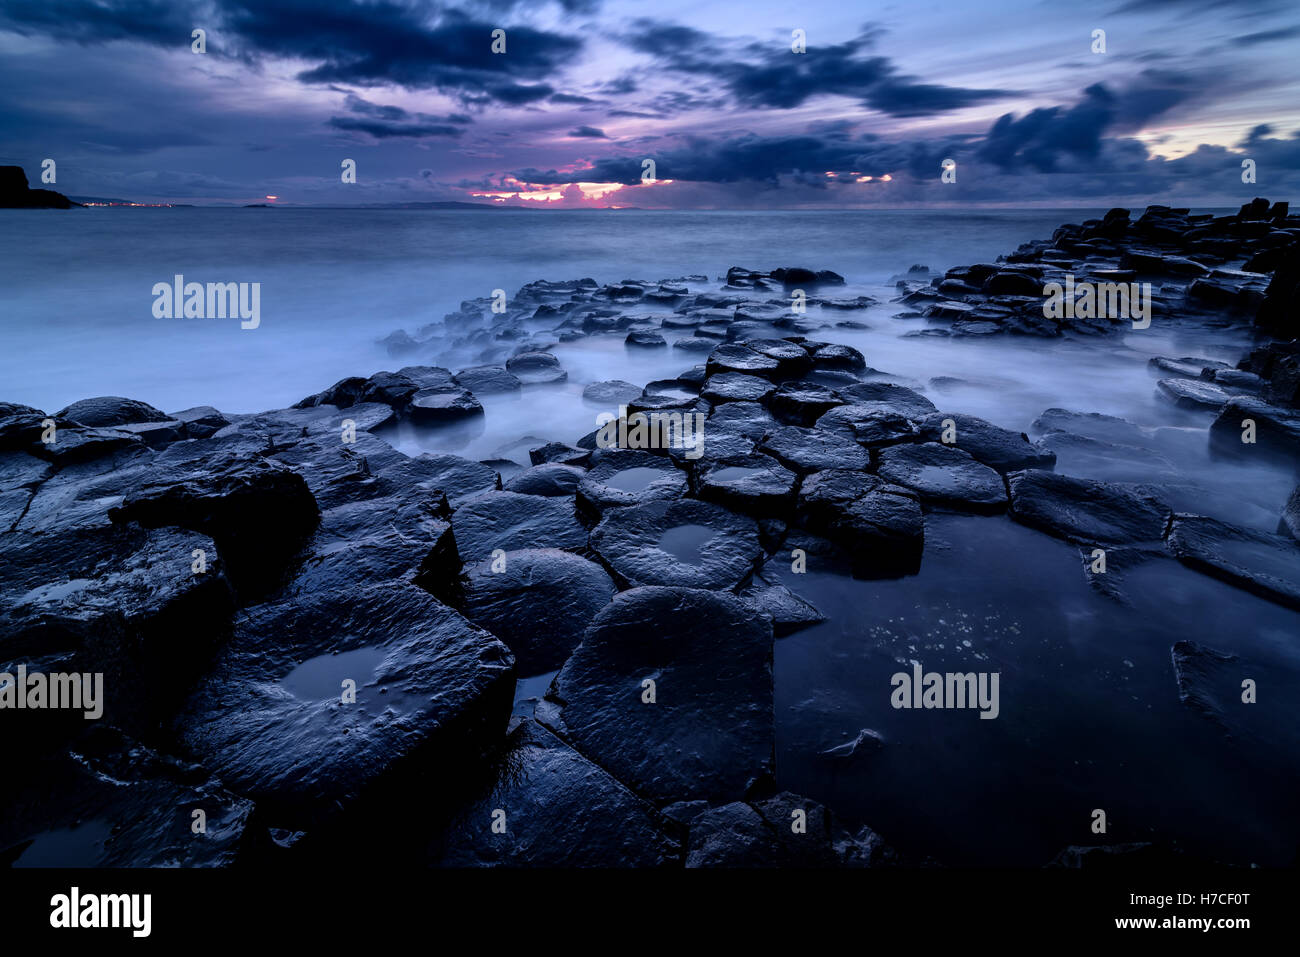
[(1090, 713)]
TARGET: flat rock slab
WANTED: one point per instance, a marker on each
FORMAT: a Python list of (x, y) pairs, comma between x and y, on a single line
[(736, 387), (1193, 394), (432, 692), (944, 475), (550, 789), (551, 479), (487, 380), (685, 542), (888, 397), (1084, 511), (812, 450), (755, 484), (533, 368), (709, 735), (1263, 564), (510, 521), (868, 424), (998, 448), (622, 477), (881, 526), (537, 601)]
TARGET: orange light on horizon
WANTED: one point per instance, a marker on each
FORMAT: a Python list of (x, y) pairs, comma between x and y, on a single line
[(273, 197)]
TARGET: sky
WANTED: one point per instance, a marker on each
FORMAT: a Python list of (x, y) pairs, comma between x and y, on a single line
[(1016, 94)]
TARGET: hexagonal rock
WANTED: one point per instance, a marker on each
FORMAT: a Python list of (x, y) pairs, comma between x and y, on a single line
[(621, 477), (1263, 564), (1084, 511), (736, 387), (754, 484), (684, 542), (536, 367), (486, 380), (733, 357), (551, 789), (538, 601), (998, 448), (258, 512), (802, 403), (550, 479), (889, 397), (432, 693), (611, 392), (110, 410), (812, 450), (709, 734), (510, 521), (832, 355), (944, 475), (880, 525), (868, 424), (792, 359), (437, 406)]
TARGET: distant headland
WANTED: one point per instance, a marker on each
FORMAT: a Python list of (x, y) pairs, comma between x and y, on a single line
[(16, 194)]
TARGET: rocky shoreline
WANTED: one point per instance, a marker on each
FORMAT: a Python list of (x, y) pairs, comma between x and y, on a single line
[(229, 574)]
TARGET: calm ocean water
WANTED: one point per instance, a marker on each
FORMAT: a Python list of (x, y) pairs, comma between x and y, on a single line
[(77, 306)]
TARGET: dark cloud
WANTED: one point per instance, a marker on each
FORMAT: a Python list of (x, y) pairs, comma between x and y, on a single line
[(381, 130), (573, 98), (588, 132), (417, 46), (774, 77), (1043, 138)]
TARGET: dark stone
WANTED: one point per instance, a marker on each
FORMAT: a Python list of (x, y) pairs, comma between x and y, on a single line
[(887, 397), (110, 410), (756, 485), (868, 424), (786, 610), (621, 477), (536, 367), (1083, 511), (259, 513), (509, 521), (645, 340), (1260, 563), (998, 448), (801, 403), (538, 601), (429, 407), (734, 357), (547, 788), (812, 450), (710, 733), (736, 387), (1194, 394), (944, 475), (613, 392), (683, 542), (487, 380), (432, 693), (551, 479), (202, 421), (880, 525)]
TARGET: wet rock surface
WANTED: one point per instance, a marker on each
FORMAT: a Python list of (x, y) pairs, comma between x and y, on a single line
[(708, 735)]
